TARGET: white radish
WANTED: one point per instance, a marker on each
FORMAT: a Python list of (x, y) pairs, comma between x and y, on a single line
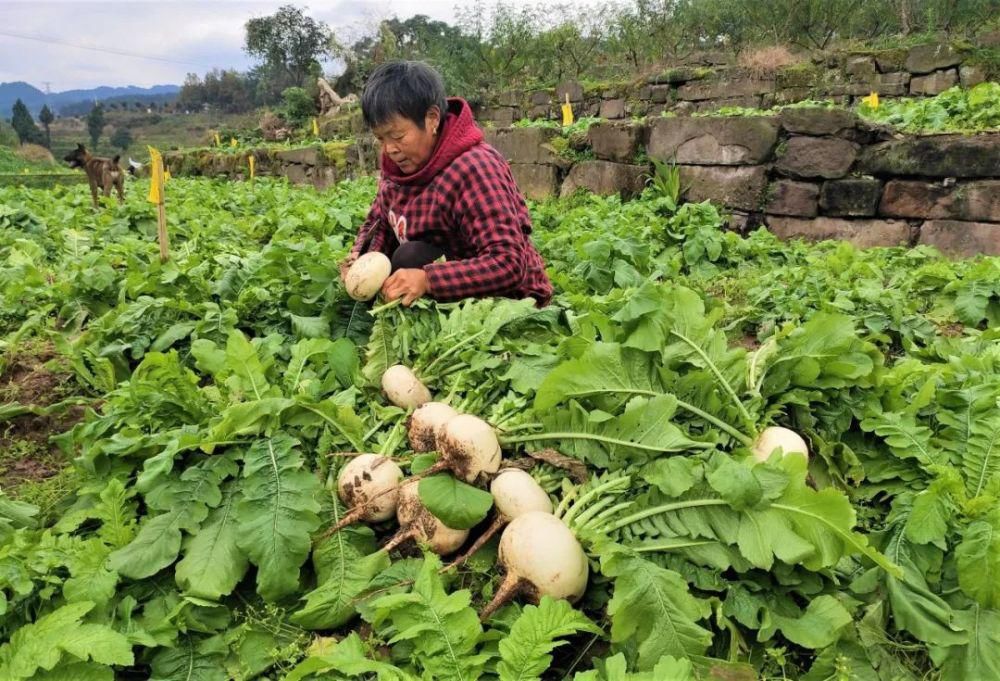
[(367, 483), (369, 486), (515, 493), (469, 447), (416, 522), (403, 388), (424, 424), (365, 277), (777, 437), (542, 557)]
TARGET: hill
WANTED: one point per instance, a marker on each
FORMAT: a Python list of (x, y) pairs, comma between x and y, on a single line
[(34, 98)]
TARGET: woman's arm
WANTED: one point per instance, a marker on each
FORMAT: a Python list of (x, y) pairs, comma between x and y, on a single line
[(374, 227), (488, 216)]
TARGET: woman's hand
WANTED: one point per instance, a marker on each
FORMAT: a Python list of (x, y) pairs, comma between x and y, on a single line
[(408, 284), (346, 265)]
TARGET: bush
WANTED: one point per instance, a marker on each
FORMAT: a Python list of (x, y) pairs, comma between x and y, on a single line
[(8, 138), (34, 153), (765, 62), (299, 105)]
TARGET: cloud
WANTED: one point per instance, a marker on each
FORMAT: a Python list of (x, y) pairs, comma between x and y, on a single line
[(146, 43)]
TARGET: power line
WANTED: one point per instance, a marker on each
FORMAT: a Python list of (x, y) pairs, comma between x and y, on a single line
[(120, 53)]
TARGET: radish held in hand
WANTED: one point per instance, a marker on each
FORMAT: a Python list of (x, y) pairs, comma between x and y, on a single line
[(365, 277), (777, 437), (425, 423), (416, 522), (542, 557), (369, 485), (403, 388), (514, 494)]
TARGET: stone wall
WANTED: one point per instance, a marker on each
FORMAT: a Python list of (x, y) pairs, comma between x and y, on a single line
[(320, 165), (811, 172), (712, 80)]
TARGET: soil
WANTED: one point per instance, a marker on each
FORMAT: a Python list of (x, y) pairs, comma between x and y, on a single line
[(27, 380), (954, 330), (749, 342)]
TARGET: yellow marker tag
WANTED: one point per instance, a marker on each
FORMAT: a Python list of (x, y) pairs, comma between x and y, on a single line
[(166, 175), (155, 176), (567, 112), (233, 142), (253, 162), (218, 142), (315, 128), (871, 100)]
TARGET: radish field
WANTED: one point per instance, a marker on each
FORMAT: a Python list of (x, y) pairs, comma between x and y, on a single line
[(194, 417)]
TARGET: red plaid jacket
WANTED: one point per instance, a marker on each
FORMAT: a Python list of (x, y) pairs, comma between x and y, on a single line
[(465, 201)]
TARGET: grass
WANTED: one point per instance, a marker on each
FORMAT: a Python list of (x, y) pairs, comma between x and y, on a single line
[(10, 162), (32, 472)]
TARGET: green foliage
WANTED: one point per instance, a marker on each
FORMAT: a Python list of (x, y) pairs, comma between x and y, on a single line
[(221, 388), (95, 124), (956, 109), (24, 125), (455, 503), (525, 653), (288, 46), (299, 104), (121, 138)]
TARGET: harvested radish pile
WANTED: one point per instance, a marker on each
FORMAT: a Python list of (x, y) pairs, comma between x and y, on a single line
[(713, 456)]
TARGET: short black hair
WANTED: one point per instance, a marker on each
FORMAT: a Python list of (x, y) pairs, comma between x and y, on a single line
[(404, 88)]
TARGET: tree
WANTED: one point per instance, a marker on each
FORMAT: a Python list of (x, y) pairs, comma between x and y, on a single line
[(122, 138), (45, 117), (289, 45), (95, 124), (24, 125), (298, 104)]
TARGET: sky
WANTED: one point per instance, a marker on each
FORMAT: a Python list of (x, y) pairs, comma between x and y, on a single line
[(144, 43)]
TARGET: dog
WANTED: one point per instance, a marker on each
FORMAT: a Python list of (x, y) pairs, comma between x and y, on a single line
[(102, 173)]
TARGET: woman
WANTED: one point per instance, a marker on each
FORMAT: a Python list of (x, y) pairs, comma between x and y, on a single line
[(445, 193)]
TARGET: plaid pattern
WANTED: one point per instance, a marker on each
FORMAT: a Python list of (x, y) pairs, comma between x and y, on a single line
[(472, 210)]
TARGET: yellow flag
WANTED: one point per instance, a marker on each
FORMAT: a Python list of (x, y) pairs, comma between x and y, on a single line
[(253, 162), (567, 112), (155, 176), (166, 176), (218, 142), (871, 100), (233, 142), (315, 128)]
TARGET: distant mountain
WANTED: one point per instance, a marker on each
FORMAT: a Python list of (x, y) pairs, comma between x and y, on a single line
[(34, 98)]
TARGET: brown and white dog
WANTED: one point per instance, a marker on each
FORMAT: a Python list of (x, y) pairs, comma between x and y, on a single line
[(102, 173)]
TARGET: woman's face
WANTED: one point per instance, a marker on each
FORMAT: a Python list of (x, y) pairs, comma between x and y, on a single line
[(409, 146)]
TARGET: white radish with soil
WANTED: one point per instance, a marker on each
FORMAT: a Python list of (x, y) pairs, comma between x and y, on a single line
[(369, 486), (402, 387), (542, 557), (515, 493), (425, 423), (469, 448), (416, 522), (777, 437), (365, 277)]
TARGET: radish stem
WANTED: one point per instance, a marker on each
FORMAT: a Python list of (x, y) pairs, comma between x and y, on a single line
[(509, 588), (748, 421), (493, 528), (535, 437)]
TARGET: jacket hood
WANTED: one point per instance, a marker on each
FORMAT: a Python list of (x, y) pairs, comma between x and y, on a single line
[(459, 133)]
